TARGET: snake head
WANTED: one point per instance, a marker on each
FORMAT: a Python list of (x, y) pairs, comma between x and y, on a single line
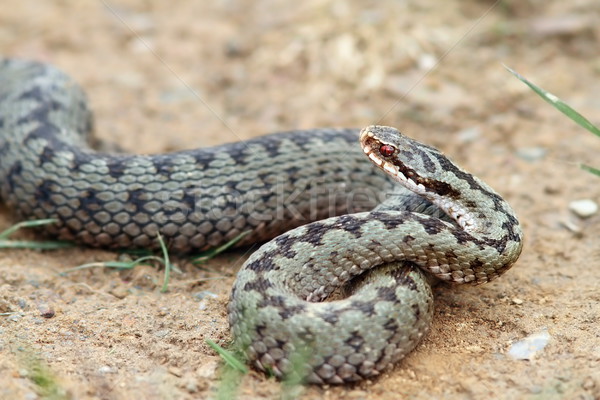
[(420, 168), (409, 162)]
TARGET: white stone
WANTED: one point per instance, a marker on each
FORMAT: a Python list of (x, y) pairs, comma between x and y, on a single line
[(584, 208), (527, 348)]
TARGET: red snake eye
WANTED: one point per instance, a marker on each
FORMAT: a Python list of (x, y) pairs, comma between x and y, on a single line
[(387, 150)]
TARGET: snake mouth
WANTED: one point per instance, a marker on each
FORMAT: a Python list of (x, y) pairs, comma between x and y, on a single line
[(451, 208), (394, 171), (372, 147)]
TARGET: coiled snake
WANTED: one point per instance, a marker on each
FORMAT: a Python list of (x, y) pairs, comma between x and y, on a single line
[(447, 223)]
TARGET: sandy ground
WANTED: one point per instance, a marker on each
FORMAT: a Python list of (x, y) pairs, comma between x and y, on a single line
[(174, 75)]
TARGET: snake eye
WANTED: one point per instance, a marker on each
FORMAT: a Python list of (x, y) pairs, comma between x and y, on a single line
[(387, 150)]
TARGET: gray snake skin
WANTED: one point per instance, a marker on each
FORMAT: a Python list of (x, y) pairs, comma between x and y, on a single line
[(439, 220)]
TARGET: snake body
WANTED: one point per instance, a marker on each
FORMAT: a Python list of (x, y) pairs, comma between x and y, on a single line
[(369, 234)]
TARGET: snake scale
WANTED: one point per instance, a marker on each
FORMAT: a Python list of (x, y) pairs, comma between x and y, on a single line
[(337, 216)]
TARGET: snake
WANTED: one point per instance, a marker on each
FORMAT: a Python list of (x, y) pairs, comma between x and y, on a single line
[(369, 237)]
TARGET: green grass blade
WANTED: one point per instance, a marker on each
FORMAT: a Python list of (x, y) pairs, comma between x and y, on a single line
[(558, 104), (207, 255), (132, 264), (113, 264), (5, 243), (230, 380), (590, 169), (136, 252), (228, 357), (29, 244), (26, 224), (293, 381), (45, 382), (231, 373), (166, 262)]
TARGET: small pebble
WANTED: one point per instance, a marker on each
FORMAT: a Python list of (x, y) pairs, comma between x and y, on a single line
[(191, 387), (120, 292), (583, 208), (141, 23), (571, 226), (527, 348), (531, 153), (14, 317), (162, 333), (176, 96), (31, 396), (474, 349), (107, 370), (517, 301), (22, 303), (469, 135), (208, 370), (427, 61), (536, 389), (163, 311), (552, 189), (203, 297), (130, 80), (588, 383), (205, 294), (45, 310)]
